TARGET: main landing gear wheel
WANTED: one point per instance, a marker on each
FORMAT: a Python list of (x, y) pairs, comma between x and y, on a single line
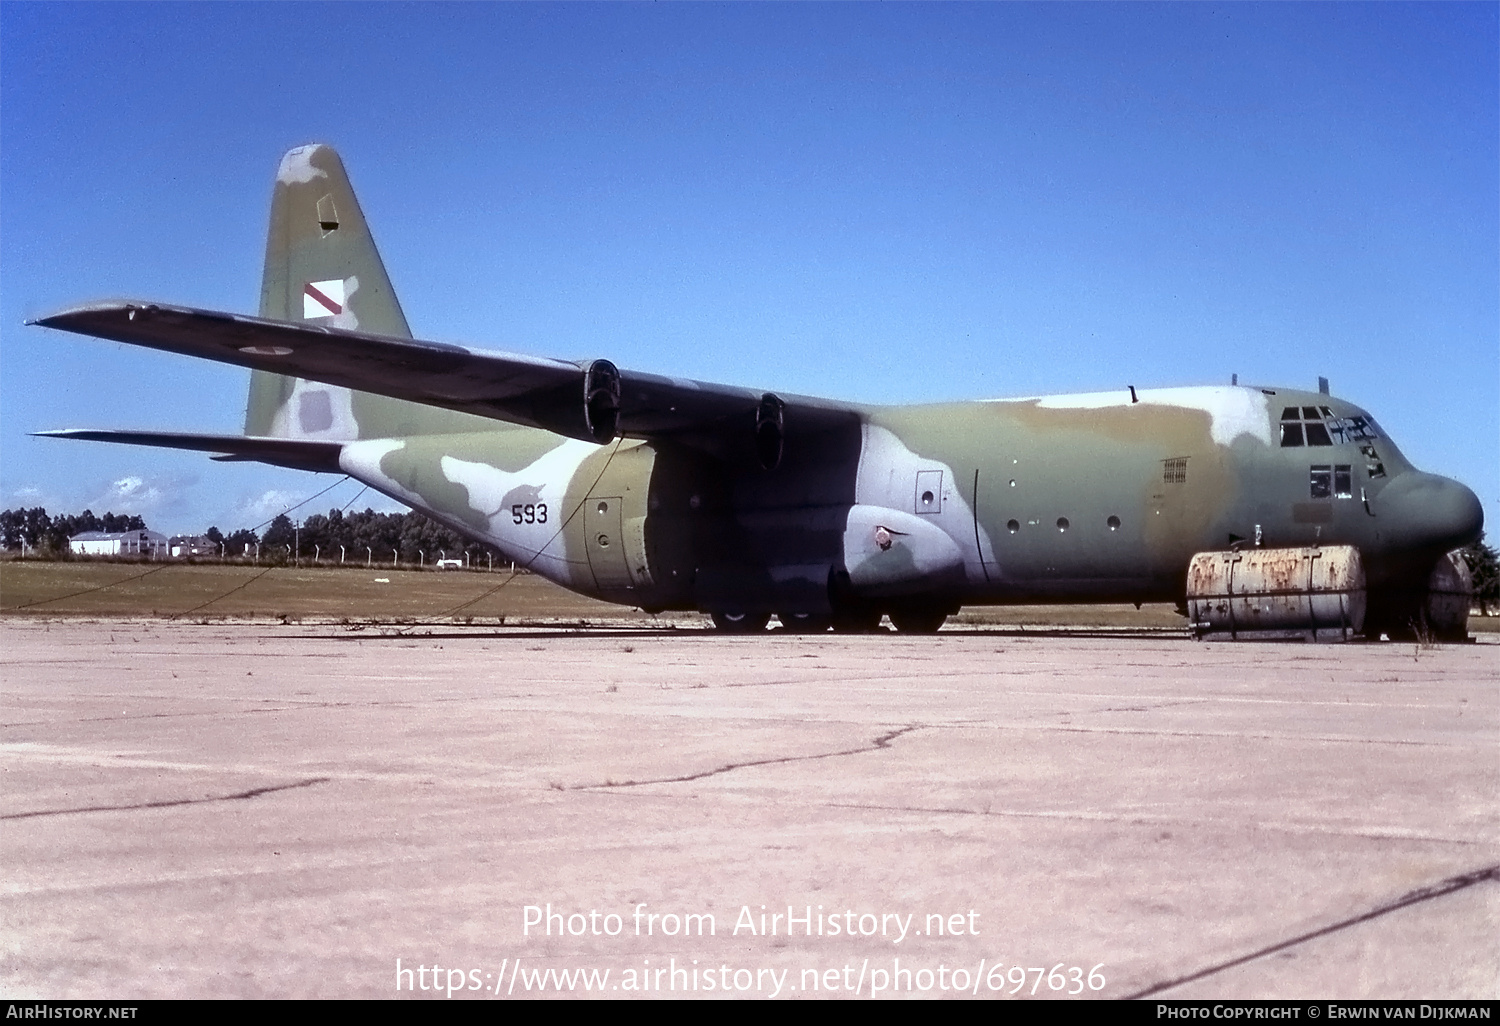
[(803, 623), (856, 621), (918, 620), (741, 623)]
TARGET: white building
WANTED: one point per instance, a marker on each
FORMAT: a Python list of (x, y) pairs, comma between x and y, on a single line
[(182, 545), (119, 543)]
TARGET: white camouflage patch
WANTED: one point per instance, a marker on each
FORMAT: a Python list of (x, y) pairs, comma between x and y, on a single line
[(1233, 410), (296, 167)]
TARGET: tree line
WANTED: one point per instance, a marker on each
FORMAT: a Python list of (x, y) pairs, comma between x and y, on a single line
[(50, 534), (1484, 565), (368, 536)]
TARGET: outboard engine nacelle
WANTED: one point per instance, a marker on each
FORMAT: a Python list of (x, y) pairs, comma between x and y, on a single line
[(601, 401), (770, 431)]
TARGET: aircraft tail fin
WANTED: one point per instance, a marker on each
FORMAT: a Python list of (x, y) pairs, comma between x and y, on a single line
[(321, 261), (322, 268)]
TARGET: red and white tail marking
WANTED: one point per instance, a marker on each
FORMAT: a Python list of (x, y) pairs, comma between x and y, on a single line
[(323, 298)]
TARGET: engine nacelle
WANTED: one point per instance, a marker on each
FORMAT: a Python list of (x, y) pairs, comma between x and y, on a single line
[(770, 431), (601, 401), (1317, 594)]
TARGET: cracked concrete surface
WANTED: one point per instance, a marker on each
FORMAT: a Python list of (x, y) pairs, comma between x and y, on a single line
[(883, 741), (239, 796), (264, 810)]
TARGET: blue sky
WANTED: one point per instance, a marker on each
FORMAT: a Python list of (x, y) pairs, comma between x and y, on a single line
[(883, 203)]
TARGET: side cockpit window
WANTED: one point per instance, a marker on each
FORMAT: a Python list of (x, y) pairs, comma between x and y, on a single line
[(1316, 425), (1343, 482), (1331, 481), (1322, 481)]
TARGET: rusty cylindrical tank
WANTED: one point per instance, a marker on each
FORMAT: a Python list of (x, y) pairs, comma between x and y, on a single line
[(1317, 594)]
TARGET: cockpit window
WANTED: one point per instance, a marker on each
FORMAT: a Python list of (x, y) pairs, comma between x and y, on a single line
[(1330, 481), (1316, 425)]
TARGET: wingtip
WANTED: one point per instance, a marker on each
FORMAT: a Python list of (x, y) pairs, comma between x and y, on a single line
[(59, 318), (51, 320)]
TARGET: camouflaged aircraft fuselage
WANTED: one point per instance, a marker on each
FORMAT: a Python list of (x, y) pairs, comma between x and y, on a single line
[(1066, 498)]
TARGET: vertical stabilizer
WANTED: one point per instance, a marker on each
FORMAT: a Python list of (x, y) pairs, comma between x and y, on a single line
[(321, 262), (322, 268)]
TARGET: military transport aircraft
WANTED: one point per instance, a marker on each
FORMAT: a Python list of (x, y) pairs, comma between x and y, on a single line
[(670, 494)]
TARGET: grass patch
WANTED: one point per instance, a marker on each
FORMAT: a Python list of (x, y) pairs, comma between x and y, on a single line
[(80, 588)]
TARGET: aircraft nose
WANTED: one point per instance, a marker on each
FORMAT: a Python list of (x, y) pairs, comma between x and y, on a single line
[(1425, 510)]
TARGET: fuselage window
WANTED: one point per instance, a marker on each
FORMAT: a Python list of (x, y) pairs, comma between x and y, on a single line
[(1343, 481), (1322, 480), (1372, 461)]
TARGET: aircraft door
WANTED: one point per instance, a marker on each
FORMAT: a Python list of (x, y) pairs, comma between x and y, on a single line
[(604, 540)]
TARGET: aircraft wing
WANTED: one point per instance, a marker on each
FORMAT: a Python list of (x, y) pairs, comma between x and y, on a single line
[(296, 453), (593, 401)]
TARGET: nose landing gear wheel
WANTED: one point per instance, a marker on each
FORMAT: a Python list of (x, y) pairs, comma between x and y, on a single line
[(741, 623)]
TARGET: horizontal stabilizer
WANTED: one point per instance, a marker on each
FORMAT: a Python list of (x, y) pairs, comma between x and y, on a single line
[(589, 401), (297, 454)]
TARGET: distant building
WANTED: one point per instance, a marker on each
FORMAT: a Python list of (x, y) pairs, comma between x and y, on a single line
[(119, 543), (198, 545)]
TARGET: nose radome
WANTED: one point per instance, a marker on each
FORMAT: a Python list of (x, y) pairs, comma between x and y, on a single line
[(1422, 510)]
